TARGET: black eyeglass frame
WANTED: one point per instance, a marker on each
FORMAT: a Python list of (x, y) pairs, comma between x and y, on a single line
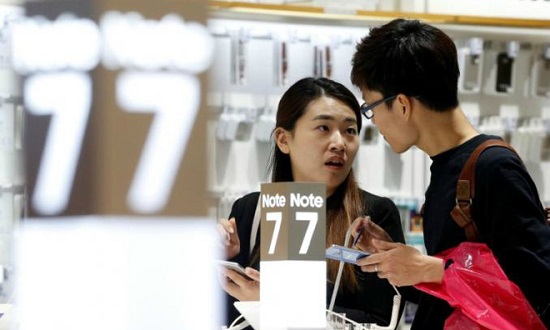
[(366, 109)]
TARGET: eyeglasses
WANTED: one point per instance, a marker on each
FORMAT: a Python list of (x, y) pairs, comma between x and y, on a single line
[(366, 109)]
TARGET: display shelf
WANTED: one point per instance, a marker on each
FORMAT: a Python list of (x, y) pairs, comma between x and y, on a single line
[(308, 10), (318, 26)]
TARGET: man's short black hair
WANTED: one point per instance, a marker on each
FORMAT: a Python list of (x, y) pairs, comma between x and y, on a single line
[(409, 57)]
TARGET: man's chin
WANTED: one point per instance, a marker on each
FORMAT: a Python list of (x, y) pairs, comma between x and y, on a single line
[(397, 150)]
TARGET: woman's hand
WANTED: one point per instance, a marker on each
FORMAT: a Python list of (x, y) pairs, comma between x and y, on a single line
[(230, 237), (368, 230), (242, 288)]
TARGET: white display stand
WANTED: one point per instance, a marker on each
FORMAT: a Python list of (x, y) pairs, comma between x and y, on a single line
[(293, 286), (117, 273)]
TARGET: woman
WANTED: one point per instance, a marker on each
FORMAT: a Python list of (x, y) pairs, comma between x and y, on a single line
[(316, 140)]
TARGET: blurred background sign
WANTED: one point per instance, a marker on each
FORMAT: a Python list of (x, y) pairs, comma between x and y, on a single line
[(114, 130), (113, 94)]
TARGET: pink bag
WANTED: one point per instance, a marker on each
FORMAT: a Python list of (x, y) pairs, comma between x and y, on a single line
[(482, 295)]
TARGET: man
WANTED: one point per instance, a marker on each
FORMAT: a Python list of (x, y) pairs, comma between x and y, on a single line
[(408, 75)]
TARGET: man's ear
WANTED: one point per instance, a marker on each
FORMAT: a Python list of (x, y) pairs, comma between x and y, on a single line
[(281, 139), (405, 104)]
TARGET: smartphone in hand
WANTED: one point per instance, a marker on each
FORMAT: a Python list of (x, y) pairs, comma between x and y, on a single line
[(341, 253), (235, 267)]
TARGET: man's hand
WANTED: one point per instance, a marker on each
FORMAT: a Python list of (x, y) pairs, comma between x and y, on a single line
[(402, 264), (368, 230)]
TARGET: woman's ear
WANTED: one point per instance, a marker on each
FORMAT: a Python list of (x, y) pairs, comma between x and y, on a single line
[(281, 139)]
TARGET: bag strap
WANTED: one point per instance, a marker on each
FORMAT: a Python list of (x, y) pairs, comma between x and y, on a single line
[(255, 248), (465, 190), (255, 225)]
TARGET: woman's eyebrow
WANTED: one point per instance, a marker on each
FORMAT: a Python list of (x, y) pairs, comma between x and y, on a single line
[(324, 117), (329, 117)]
